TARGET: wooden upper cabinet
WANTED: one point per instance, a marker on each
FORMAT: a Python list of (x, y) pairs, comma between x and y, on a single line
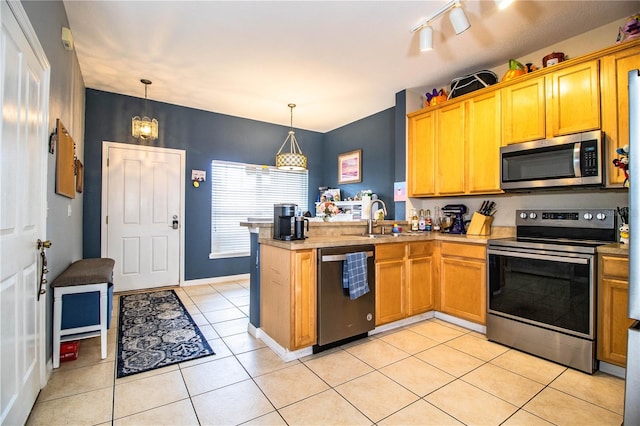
[(615, 106), (523, 111), (421, 155), (450, 149), (575, 102), (483, 144)]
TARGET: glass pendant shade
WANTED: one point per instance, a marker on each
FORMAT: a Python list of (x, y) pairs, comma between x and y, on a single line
[(144, 128), (294, 159)]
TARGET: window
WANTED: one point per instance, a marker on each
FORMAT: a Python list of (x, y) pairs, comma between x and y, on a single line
[(241, 191)]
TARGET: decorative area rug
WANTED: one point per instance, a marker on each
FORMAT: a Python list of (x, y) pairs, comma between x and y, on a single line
[(155, 330)]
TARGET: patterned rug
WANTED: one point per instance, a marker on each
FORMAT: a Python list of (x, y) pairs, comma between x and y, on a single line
[(155, 330)]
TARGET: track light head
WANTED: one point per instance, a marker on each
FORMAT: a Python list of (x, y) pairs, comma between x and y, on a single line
[(459, 20), (426, 39)]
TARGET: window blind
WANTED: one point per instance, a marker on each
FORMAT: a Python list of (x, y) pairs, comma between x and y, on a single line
[(241, 191)]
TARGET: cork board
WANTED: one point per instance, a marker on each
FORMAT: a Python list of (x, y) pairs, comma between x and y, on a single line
[(65, 163)]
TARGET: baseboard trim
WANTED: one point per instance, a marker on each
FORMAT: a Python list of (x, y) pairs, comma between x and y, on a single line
[(401, 323), (462, 323), (283, 353), (215, 280), (611, 369)]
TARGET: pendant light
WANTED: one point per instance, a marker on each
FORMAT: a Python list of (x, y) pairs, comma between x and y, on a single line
[(145, 127), (294, 159)]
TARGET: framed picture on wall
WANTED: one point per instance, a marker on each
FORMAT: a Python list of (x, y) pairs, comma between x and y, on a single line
[(350, 167)]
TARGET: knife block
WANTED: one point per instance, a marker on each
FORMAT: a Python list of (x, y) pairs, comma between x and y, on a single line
[(480, 224)]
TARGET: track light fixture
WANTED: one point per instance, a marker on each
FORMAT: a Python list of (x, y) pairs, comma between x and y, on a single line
[(459, 19), (426, 39), (456, 16)]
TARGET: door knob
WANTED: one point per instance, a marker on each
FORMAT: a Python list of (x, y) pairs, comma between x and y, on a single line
[(43, 244)]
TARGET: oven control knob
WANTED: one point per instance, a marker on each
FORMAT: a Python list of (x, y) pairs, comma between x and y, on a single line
[(588, 216), (532, 215), (601, 216), (523, 215)]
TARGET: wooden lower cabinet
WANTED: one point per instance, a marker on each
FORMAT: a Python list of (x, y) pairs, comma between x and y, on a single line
[(613, 304), (463, 281), (288, 296), (404, 280)]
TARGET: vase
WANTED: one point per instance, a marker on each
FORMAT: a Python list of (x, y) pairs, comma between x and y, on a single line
[(326, 218)]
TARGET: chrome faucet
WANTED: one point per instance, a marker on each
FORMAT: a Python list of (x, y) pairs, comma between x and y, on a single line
[(371, 220)]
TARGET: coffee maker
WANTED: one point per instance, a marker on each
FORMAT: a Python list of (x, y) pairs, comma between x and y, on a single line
[(456, 211), (286, 226)]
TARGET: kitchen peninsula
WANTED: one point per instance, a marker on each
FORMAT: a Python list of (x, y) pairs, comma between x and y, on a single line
[(419, 275)]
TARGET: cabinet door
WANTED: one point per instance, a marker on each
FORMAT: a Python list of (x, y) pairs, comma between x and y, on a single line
[(420, 285), (420, 278), (576, 99), (484, 139), (615, 106), (303, 297), (420, 155), (613, 321), (523, 111), (450, 150), (390, 283), (463, 288)]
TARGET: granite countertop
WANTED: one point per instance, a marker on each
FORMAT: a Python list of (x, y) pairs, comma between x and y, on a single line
[(614, 248), (351, 240), (350, 233)]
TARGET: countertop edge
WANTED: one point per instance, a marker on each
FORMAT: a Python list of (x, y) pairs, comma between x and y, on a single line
[(614, 248)]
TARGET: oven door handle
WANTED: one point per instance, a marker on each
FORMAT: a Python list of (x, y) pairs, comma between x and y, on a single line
[(554, 258)]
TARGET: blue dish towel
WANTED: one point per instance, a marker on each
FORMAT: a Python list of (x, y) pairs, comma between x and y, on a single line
[(354, 275)]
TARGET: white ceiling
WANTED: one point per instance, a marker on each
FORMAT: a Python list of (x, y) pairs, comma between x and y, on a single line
[(339, 61)]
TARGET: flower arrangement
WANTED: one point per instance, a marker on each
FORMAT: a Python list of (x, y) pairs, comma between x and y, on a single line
[(328, 208)]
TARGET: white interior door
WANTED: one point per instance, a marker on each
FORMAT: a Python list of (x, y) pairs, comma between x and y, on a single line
[(23, 149), (143, 199)]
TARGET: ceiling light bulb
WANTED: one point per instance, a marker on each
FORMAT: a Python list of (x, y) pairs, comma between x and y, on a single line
[(426, 39), (502, 4), (459, 20)]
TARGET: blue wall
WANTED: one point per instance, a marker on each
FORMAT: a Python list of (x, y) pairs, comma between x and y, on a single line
[(375, 136), (207, 136)]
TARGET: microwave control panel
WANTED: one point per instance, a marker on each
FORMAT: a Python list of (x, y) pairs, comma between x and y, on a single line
[(589, 158)]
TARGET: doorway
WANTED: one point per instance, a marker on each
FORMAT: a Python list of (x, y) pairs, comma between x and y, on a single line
[(142, 211)]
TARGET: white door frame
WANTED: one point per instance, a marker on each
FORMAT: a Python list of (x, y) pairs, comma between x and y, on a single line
[(105, 182)]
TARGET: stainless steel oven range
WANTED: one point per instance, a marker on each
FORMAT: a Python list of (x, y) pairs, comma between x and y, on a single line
[(541, 284)]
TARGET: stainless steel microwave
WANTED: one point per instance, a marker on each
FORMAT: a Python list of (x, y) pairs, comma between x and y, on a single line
[(566, 161)]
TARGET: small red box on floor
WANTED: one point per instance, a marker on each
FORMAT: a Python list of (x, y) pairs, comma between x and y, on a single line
[(69, 350)]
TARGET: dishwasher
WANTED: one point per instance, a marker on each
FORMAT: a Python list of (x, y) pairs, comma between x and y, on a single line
[(341, 319)]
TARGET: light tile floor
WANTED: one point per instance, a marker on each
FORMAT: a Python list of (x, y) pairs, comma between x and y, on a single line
[(429, 373)]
